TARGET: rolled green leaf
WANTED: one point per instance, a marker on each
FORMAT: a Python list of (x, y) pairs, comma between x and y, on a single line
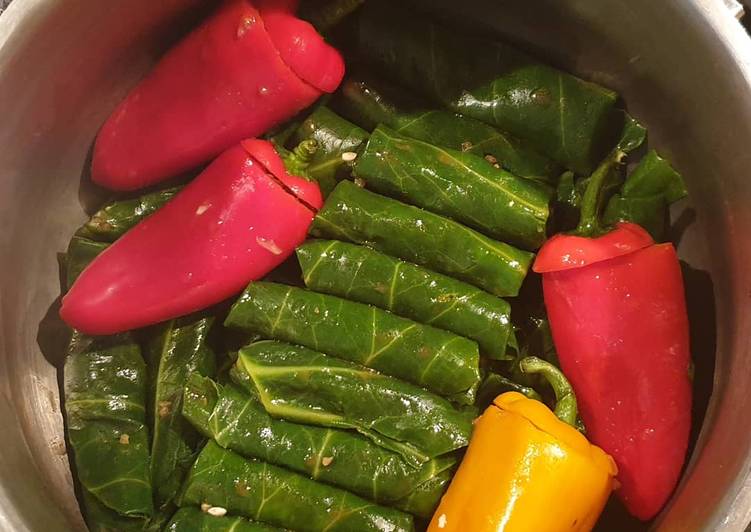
[(461, 186), (326, 14), (343, 458), (81, 251), (335, 137), (173, 351), (646, 195), (100, 518), (422, 502), (112, 221), (566, 118), (194, 520), (368, 276), (298, 384), (369, 103), (432, 358), (105, 396), (274, 495), (413, 234)]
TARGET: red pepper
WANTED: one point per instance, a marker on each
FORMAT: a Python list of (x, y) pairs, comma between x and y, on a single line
[(618, 316), (239, 219), (237, 75)]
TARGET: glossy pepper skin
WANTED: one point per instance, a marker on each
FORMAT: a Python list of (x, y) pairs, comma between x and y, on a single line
[(619, 324), (239, 219), (246, 69), (525, 470)]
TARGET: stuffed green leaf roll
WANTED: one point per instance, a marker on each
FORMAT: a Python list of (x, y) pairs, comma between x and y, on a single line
[(298, 384), (105, 395), (413, 234), (81, 251), (274, 495), (194, 520), (422, 502), (239, 422), (362, 274), (113, 220), (566, 118), (369, 103), (174, 350), (461, 186), (435, 359), (335, 137)]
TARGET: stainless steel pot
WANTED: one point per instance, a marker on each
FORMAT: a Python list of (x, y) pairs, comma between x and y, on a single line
[(683, 66)]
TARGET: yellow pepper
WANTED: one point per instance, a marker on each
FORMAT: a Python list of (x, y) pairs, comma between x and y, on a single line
[(527, 470)]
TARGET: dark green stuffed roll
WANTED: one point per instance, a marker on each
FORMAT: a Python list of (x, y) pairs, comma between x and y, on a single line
[(461, 186), (438, 360), (301, 385), (274, 495), (174, 350), (369, 103), (566, 118), (105, 405), (416, 235), (194, 520), (81, 252), (343, 458), (362, 274), (113, 220)]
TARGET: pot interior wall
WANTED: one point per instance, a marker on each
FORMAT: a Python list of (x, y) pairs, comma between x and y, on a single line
[(64, 65)]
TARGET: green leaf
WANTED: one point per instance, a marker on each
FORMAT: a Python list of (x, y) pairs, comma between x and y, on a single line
[(654, 176), (633, 135), (422, 501), (461, 186), (568, 119), (435, 359), (115, 219), (194, 520), (335, 136), (273, 495), (105, 395), (343, 458), (99, 518), (326, 14), (413, 234), (173, 351), (368, 103), (298, 384), (646, 195), (651, 213), (81, 252), (362, 274)]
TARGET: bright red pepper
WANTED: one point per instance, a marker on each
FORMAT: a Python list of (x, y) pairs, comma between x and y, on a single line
[(239, 219), (617, 312), (237, 75)]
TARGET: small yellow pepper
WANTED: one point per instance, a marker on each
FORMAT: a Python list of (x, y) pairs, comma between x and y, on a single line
[(526, 470)]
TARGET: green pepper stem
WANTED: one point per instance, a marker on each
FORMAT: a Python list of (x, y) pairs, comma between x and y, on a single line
[(589, 219), (298, 160), (565, 408)]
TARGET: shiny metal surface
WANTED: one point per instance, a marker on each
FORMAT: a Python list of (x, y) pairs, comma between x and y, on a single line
[(683, 66)]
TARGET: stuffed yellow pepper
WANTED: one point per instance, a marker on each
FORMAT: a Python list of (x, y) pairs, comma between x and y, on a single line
[(527, 468)]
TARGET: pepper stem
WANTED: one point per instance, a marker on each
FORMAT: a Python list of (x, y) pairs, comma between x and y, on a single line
[(589, 219), (298, 160), (565, 408)]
